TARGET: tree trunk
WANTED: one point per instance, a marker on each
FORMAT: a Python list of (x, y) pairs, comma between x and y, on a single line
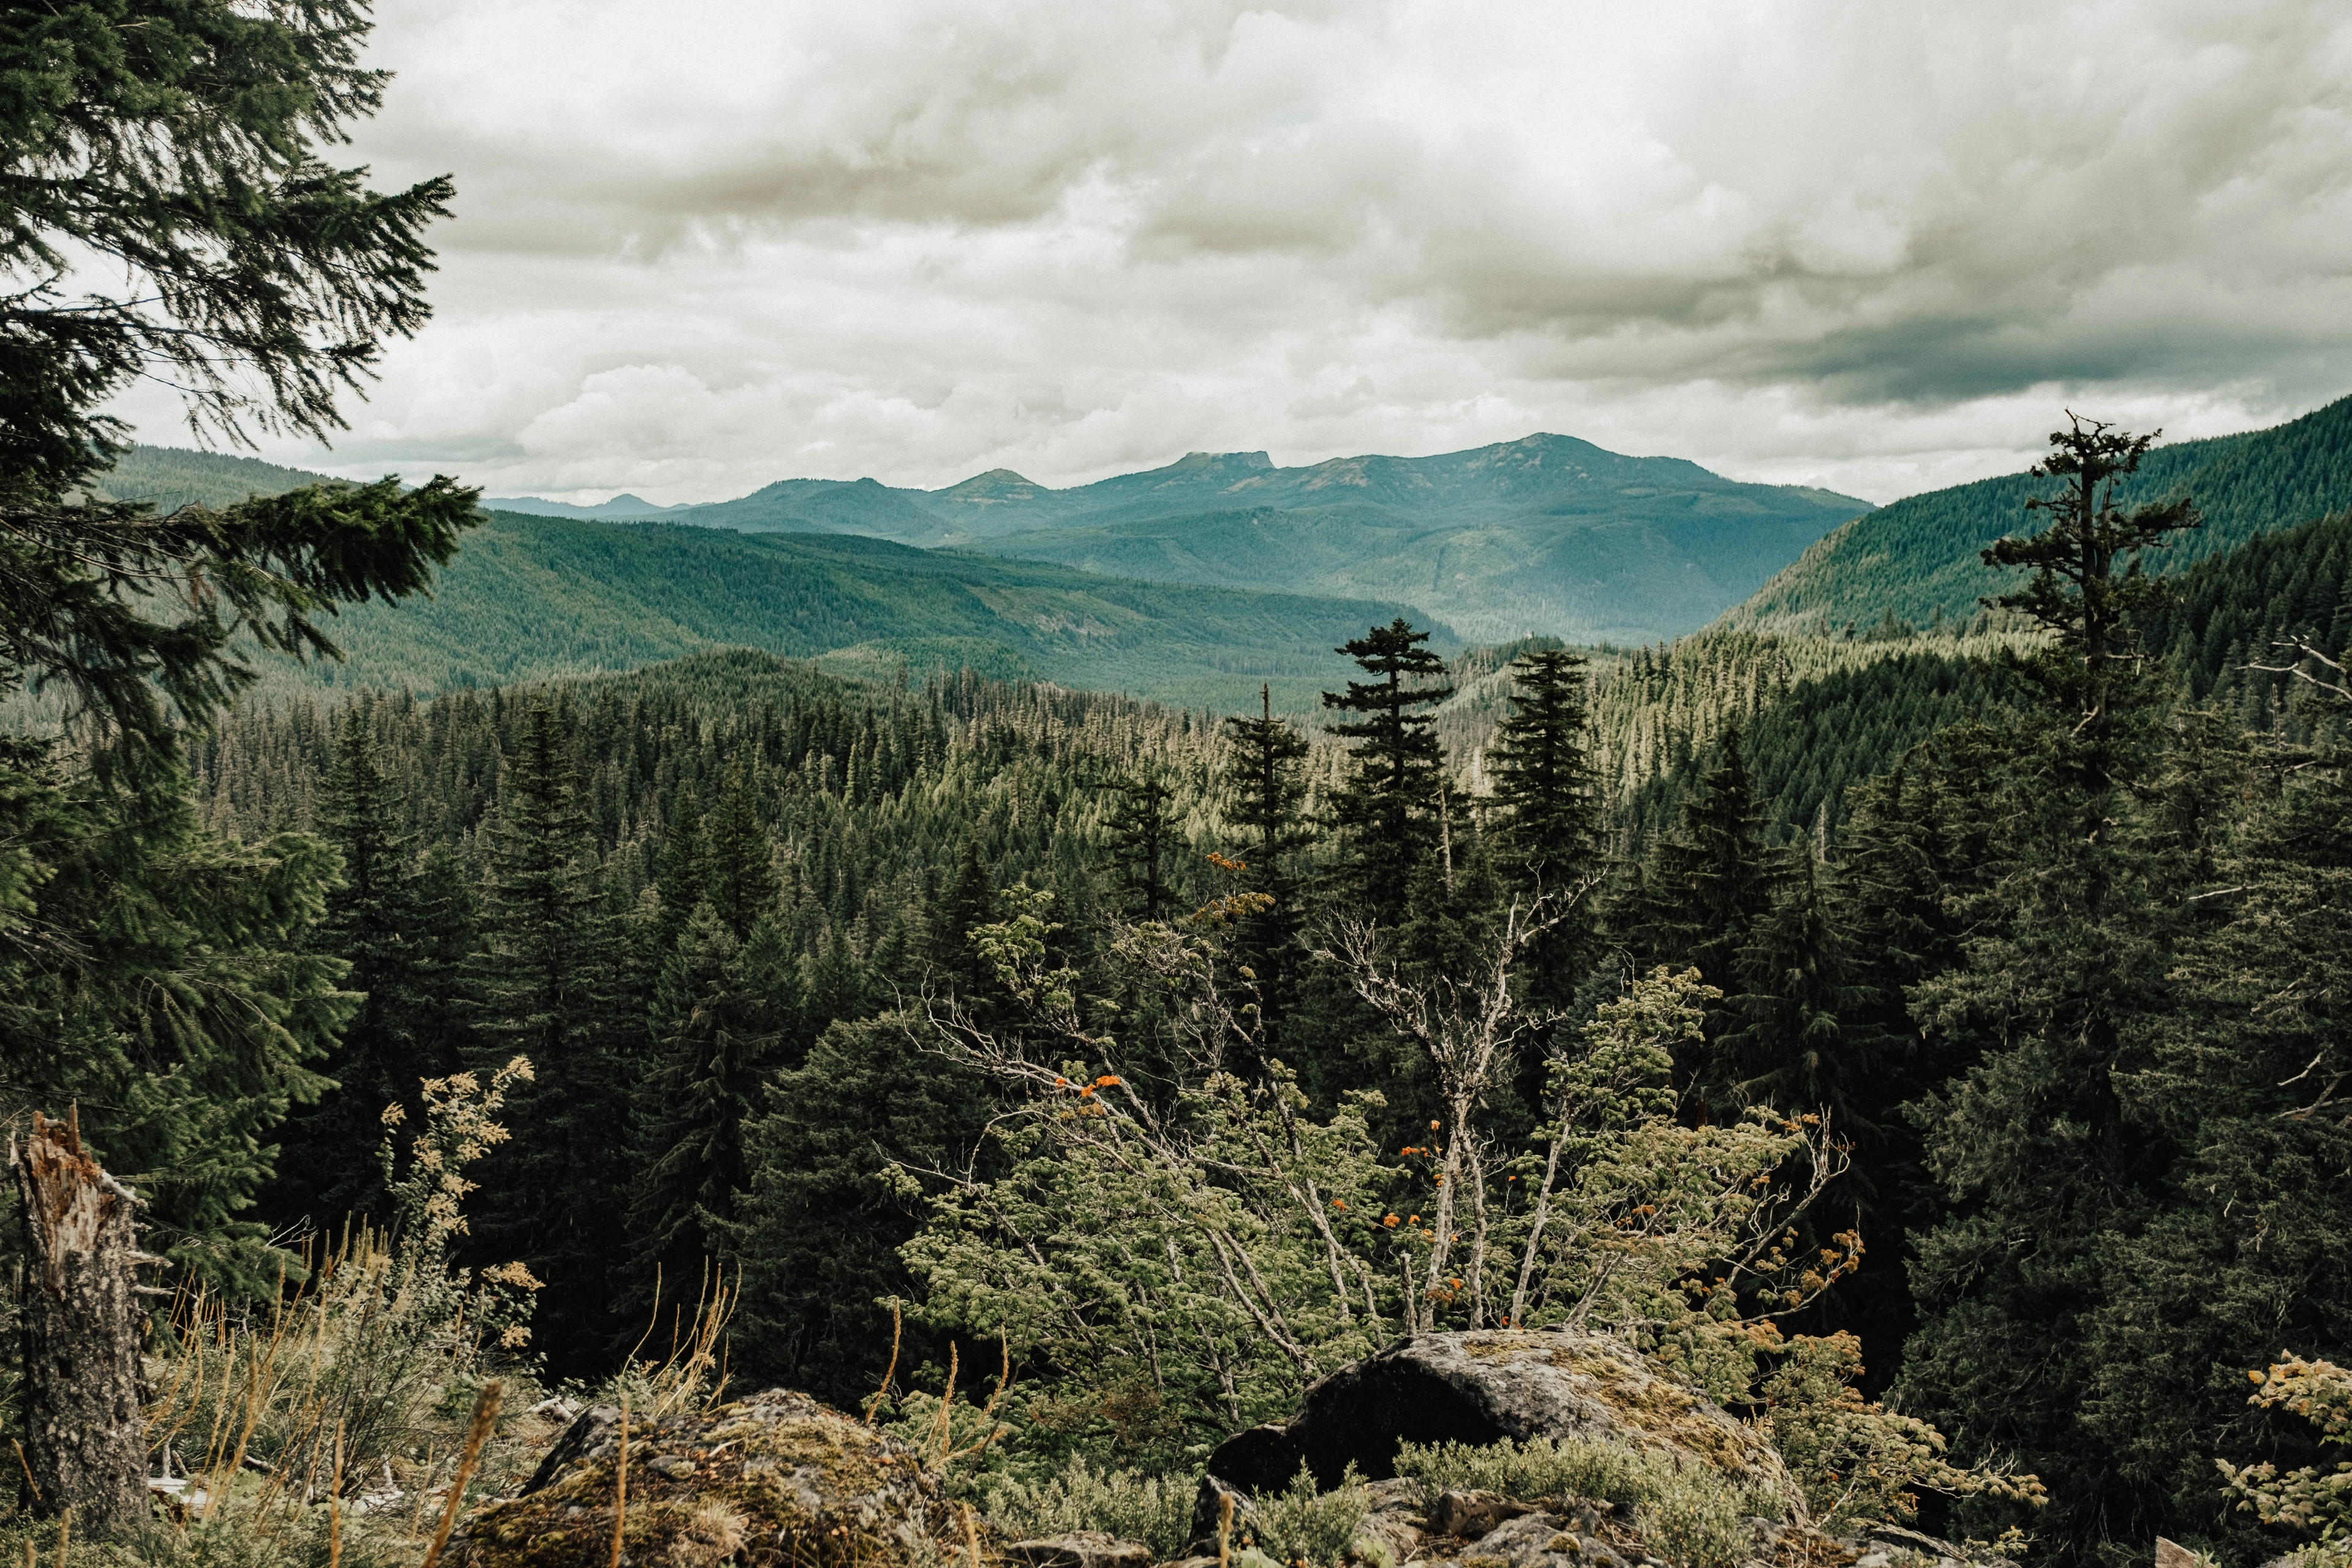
[(86, 1447)]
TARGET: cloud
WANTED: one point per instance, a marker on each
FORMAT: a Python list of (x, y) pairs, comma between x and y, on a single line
[(1870, 246)]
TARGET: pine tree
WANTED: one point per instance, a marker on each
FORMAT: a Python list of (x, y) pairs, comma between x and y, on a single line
[(1713, 880), (1266, 791), (399, 1034), (679, 873), (2067, 950), (1145, 840), (1548, 810), (1386, 814), (543, 988), (736, 875), (817, 1241), (171, 984), (721, 1012), (1787, 1045), (968, 904)]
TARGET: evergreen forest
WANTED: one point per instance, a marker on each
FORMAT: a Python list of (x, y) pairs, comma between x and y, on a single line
[(1909, 1012)]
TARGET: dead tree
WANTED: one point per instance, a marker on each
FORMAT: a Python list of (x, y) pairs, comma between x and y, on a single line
[(84, 1449)]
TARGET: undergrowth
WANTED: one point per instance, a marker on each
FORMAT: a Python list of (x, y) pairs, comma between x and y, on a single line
[(1690, 1514)]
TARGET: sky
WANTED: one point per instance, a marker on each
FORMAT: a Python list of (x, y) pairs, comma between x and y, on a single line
[(1876, 245)]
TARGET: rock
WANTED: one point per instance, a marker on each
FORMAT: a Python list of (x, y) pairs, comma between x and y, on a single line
[(773, 1479), (1481, 1386), (2172, 1554), (1081, 1549), (1892, 1546), (1539, 1539), (1207, 1504), (1468, 1516), (1393, 1527)]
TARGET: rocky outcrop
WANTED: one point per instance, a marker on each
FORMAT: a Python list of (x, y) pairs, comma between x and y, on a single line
[(1480, 1387), (773, 1479), (1080, 1549)]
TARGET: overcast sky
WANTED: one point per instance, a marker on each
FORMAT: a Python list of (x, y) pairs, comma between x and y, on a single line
[(703, 244)]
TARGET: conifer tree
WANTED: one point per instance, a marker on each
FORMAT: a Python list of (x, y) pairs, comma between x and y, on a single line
[(1714, 880), (1266, 791), (817, 1241), (542, 987), (1787, 1045), (1145, 840), (1548, 811), (968, 904), (2067, 949), (678, 873), (1386, 814), (736, 875), (720, 1013), (399, 1033)]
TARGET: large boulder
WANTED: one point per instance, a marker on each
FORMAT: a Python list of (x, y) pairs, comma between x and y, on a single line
[(1481, 1386), (767, 1482)]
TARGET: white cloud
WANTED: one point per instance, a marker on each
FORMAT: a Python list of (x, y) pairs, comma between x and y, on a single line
[(704, 245)]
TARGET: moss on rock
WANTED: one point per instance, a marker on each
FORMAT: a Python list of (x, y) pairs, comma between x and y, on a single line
[(773, 1479)]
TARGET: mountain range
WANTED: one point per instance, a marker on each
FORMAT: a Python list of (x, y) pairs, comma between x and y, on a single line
[(1118, 584), (1547, 535)]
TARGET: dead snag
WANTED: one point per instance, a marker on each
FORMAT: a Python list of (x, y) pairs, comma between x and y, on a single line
[(87, 1451)]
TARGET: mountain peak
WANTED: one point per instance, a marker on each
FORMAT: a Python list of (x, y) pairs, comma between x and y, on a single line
[(1191, 461)]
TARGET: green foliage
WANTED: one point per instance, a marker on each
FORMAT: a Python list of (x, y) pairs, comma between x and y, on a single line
[(1307, 1526), (179, 142), (533, 598), (2312, 1501), (1386, 814), (162, 978), (1133, 1505), (1689, 1513)]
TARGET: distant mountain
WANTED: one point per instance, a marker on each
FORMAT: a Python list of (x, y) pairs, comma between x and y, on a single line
[(1545, 535), (620, 508), (1921, 555)]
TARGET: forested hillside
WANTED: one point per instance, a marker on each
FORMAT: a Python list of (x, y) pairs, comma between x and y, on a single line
[(531, 597), (1919, 558)]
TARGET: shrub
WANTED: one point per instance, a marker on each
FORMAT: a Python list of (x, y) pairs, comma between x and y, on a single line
[(2315, 1500), (1155, 1510), (1301, 1524), (1690, 1513)]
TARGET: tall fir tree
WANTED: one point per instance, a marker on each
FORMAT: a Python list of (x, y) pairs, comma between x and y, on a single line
[(721, 1015), (736, 874), (1145, 843), (400, 1033), (2067, 949), (1387, 814), (1547, 817), (1266, 794), (543, 988)]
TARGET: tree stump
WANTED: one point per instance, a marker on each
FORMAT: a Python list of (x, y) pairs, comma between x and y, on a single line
[(86, 1447)]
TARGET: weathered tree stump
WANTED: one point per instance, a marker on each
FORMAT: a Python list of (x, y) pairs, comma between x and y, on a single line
[(85, 1449)]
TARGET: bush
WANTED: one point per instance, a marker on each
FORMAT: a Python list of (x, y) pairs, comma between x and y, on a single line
[(1689, 1513), (1155, 1510), (1301, 1524)]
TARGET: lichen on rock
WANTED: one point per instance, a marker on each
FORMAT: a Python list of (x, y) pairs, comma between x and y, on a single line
[(775, 1479)]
